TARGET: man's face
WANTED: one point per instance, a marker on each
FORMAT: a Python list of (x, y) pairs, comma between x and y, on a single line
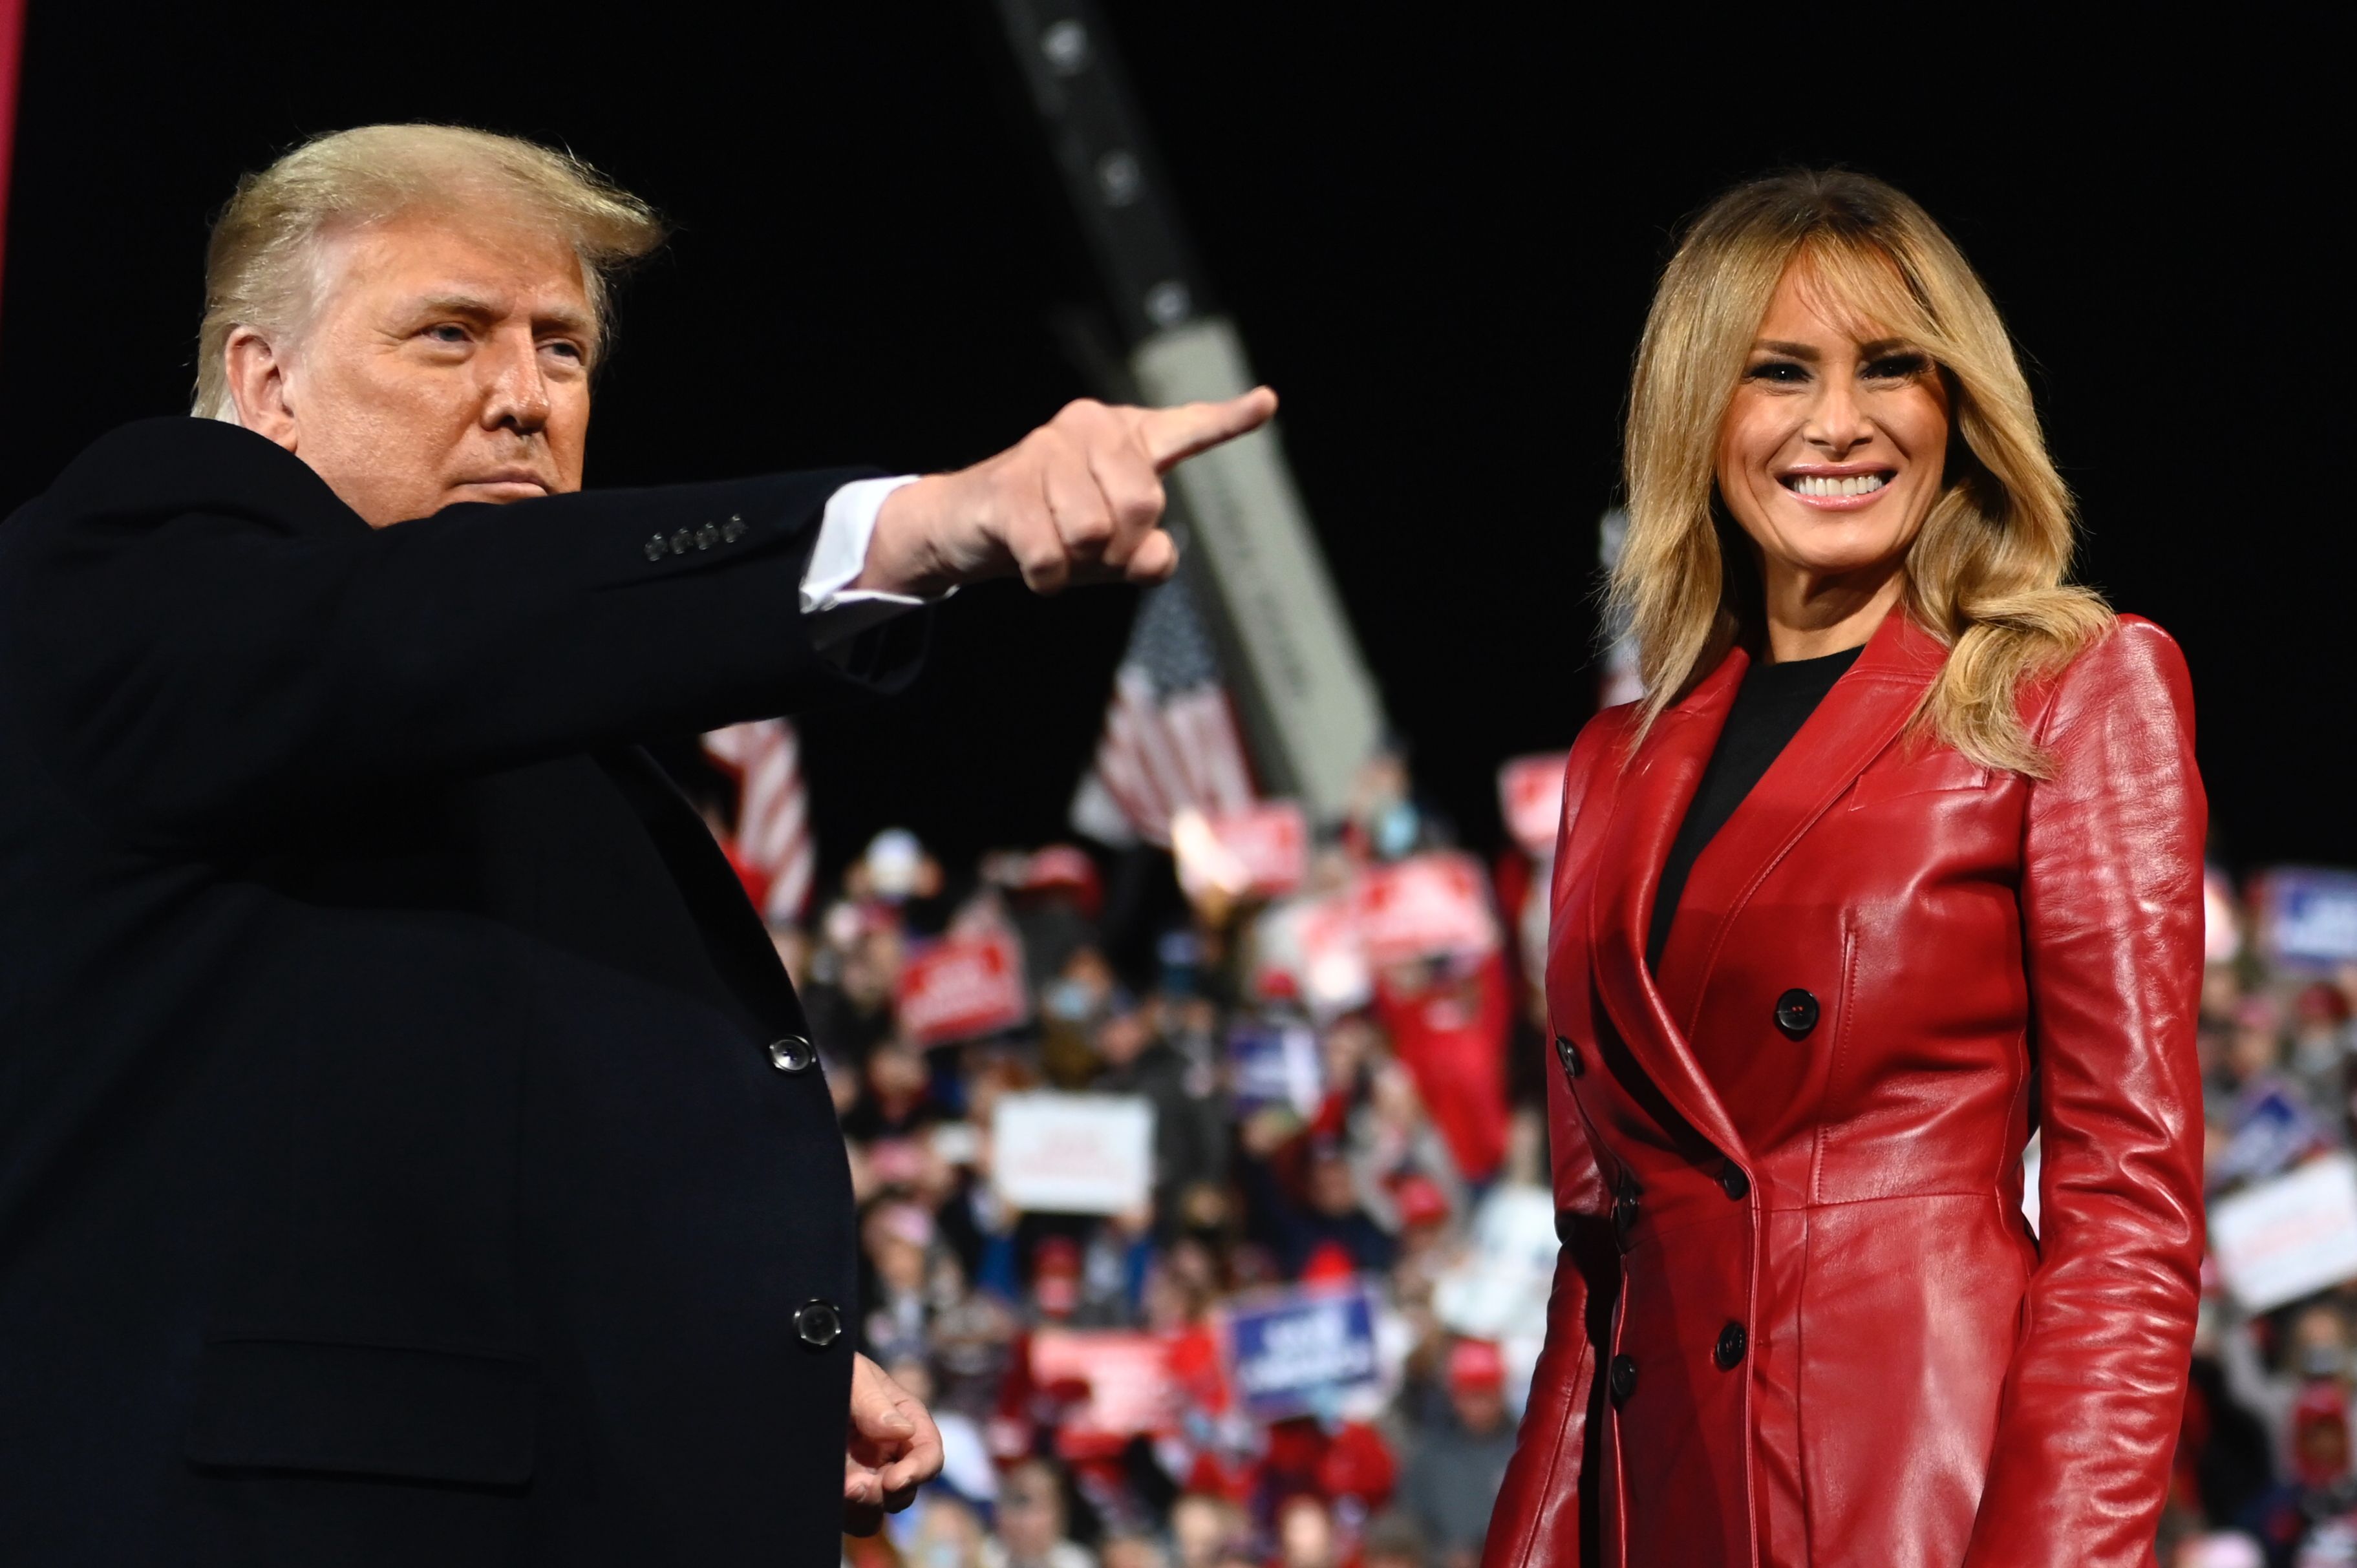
[(447, 361)]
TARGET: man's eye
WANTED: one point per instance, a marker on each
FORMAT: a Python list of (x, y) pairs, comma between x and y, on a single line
[(446, 332), (568, 349)]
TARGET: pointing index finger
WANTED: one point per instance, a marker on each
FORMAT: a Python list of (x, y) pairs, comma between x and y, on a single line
[(1171, 436)]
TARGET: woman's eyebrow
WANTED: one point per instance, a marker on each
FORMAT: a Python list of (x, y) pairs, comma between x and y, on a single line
[(1789, 350)]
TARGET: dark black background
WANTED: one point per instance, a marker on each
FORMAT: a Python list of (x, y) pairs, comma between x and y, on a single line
[(1437, 229)]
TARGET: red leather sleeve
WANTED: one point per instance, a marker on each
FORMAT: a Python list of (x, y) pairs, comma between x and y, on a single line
[(2111, 902), (1537, 1520)]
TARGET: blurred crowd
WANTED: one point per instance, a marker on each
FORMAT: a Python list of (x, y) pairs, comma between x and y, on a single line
[(1305, 1337), (2264, 1473), (1307, 1340)]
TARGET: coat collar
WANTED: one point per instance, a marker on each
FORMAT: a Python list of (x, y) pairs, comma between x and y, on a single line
[(1863, 713)]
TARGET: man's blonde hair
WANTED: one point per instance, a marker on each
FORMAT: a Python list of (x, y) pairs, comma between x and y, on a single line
[(261, 270), (1985, 574)]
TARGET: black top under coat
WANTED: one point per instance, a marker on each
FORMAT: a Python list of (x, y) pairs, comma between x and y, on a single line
[(1771, 706)]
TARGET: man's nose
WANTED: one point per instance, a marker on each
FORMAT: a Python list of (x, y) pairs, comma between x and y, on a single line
[(516, 390)]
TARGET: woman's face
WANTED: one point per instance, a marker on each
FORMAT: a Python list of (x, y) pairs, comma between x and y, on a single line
[(1831, 451)]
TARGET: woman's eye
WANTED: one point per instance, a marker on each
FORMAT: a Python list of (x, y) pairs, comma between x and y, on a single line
[(1780, 372), (1898, 367)]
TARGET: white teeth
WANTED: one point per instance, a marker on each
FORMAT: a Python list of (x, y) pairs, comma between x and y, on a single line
[(1827, 485)]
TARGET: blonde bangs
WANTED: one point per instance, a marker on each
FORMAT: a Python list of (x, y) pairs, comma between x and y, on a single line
[(1986, 575)]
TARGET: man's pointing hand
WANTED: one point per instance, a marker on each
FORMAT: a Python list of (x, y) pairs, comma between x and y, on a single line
[(1078, 500)]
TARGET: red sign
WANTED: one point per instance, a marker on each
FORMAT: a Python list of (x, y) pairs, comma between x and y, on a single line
[(1530, 799), (963, 986), (1260, 851), (1127, 1374), (1429, 906)]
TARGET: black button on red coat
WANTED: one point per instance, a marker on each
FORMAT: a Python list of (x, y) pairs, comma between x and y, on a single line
[(1733, 1182), (1623, 1378), (1729, 1349), (1568, 1055), (1797, 1013)]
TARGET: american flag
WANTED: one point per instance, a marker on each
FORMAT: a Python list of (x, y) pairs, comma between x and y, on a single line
[(773, 837), (1171, 734)]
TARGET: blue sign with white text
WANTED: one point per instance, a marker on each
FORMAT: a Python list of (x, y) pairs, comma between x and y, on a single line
[(1295, 1352), (2310, 916)]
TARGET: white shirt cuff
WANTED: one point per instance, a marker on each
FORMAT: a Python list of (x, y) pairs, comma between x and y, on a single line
[(837, 611)]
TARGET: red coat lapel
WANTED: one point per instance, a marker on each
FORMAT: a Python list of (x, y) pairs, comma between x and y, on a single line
[(1863, 713), (1652, 801)]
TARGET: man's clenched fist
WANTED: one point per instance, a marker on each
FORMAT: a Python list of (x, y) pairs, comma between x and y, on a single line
[(1076, 500)]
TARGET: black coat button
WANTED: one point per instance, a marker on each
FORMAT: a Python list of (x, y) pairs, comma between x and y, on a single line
[(817, 1323), (1624, 1219), (792, 1053), (1623, 1378), (1797, 1013), (1729, 1349), (1733, 1182), (1568, 1055)]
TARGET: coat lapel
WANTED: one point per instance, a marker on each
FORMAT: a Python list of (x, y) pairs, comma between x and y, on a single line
[(1863, 715), (1652, 801)]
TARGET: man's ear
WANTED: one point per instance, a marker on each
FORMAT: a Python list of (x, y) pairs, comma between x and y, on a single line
[(257, 385)]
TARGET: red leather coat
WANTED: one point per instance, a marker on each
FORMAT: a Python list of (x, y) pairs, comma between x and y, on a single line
[(1799, 1317)]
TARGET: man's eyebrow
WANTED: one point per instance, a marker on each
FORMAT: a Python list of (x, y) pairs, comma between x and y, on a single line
[(476, 309)]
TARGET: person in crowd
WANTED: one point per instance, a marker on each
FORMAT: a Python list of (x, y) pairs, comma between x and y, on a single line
[(1032, 1520), (1900, 851), (412, 1148), (1458, 1464)]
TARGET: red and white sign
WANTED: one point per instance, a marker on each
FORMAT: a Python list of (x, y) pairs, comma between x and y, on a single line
[(2278, 1240), (1260, 851), (1529, 800), (1128, 1378), (1429, 906), (1072, 1154), (963, 986)]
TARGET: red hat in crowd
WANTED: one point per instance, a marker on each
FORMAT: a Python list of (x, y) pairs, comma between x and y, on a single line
[(1063, 868), (2321, 1412), (1330, 1263), (1475, 1367), (1420, 1201), (1056, 1275)]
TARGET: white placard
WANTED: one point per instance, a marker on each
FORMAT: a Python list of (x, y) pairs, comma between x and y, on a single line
[(2291, 1236), (1072, 1154)]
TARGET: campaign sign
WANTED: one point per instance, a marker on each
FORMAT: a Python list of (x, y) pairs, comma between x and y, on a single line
[(1127, 1375), (964, 985), (1260, 851), (1275, 1063), (1529, 800), (1427, 906), (2291, 1236), (2309, 916), (1072, 1154), (1295, 1352)]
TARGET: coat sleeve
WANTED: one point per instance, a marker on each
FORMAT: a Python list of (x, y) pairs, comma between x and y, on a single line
[(206, 638), (1540, 1513), (2111, 902)]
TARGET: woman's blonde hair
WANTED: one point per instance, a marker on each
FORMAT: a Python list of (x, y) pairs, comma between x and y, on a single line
[(262, 268), (1985, 575)]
